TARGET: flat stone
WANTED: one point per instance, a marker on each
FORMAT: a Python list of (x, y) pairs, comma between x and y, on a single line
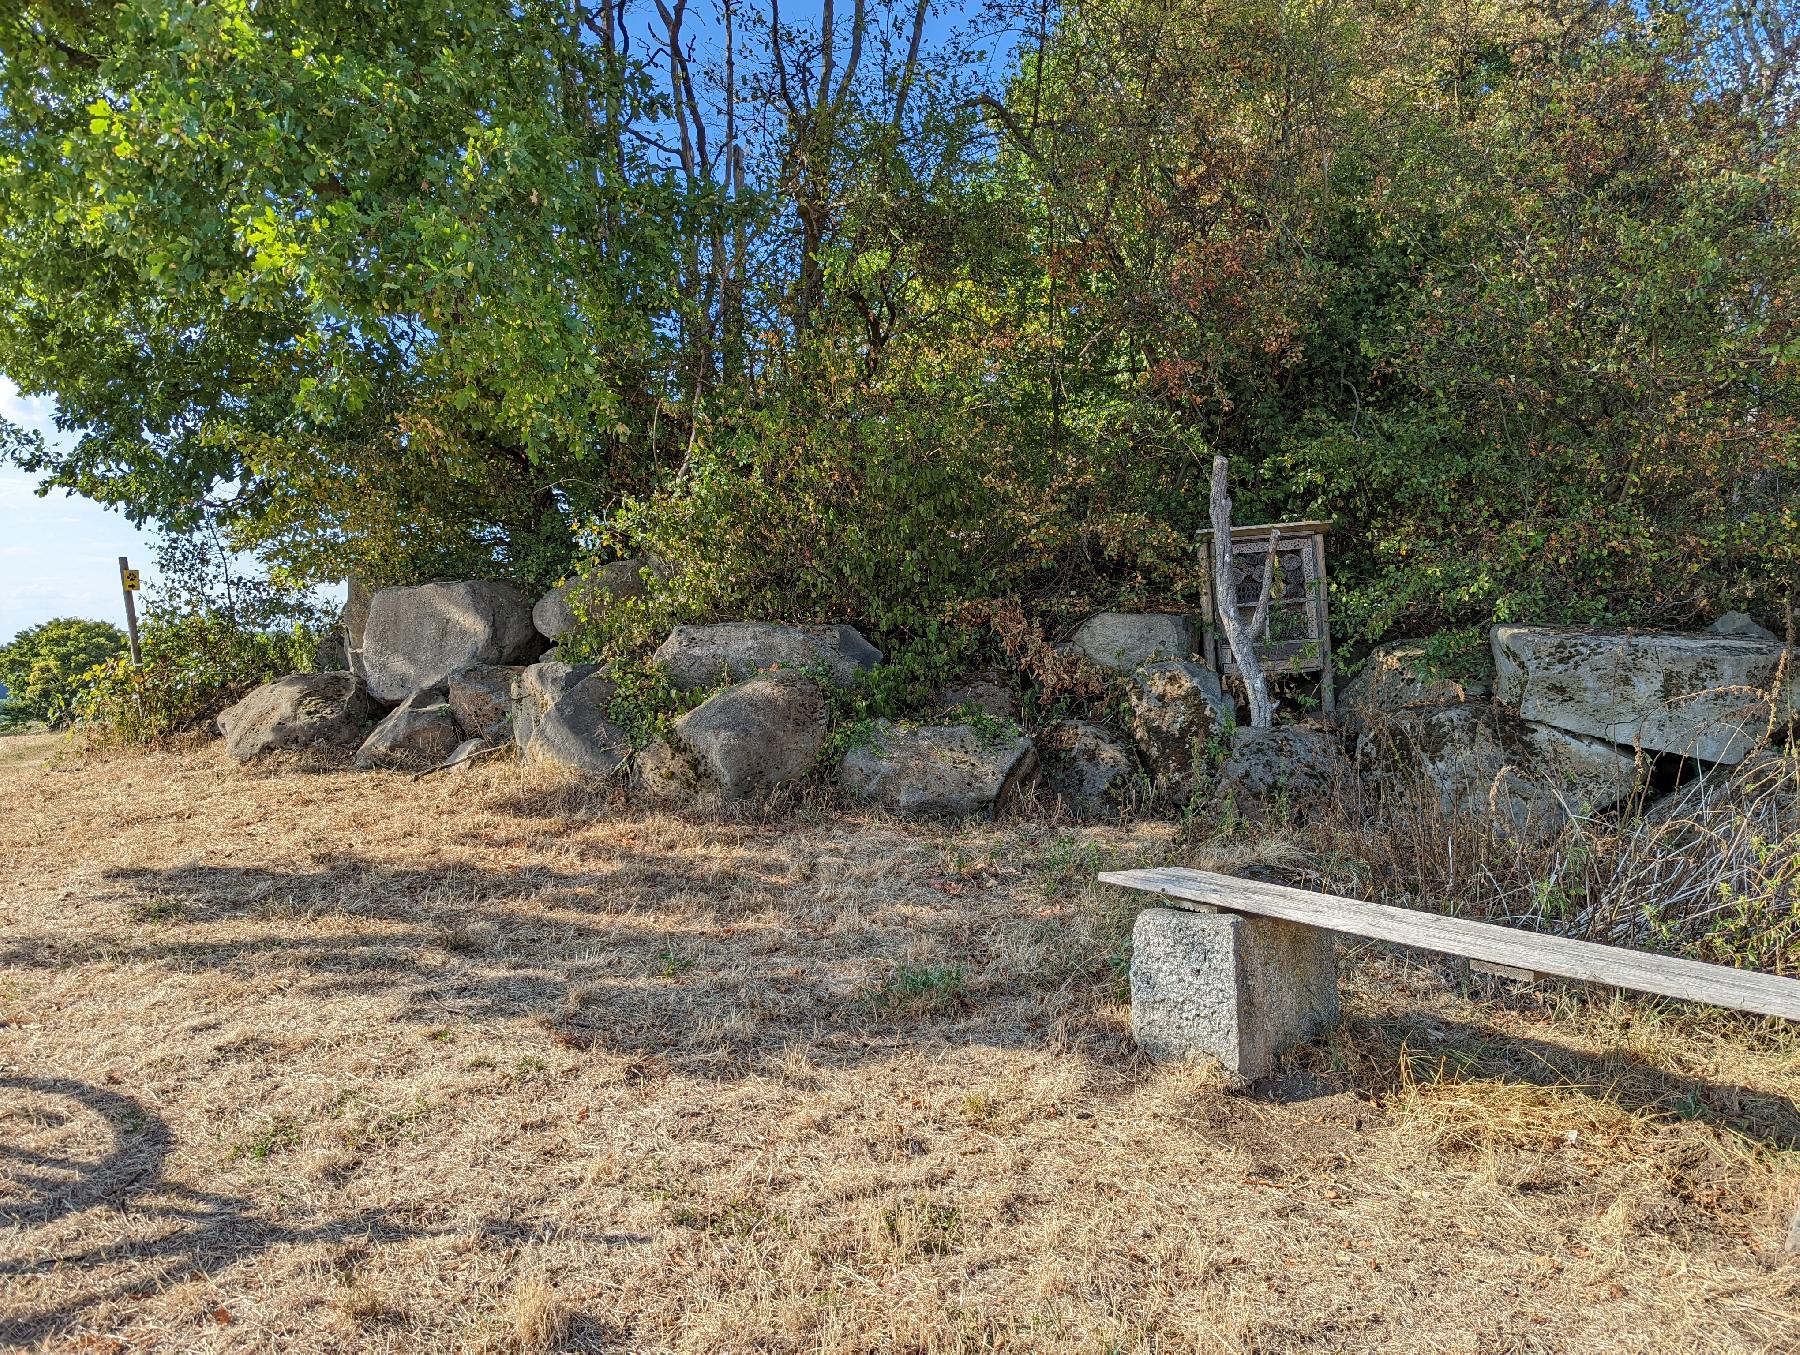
[(1126, 640), (302, 710), (940, 770), (1702, 696), (575, 732), (1087, 766), (1241, 990), (757, 735), (481, 699), (418, 637), (590, 594), (539, 687), (420, 732), (697, 657)]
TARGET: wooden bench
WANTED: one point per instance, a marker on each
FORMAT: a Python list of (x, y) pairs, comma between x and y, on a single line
[(1239, 970)]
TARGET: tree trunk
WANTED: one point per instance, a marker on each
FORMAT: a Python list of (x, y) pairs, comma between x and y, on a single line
[(1237, 635)]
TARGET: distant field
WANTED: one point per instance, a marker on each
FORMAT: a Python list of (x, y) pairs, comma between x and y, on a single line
[(319, 1061), (28, 749)]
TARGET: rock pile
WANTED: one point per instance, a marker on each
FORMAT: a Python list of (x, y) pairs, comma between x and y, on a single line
[(1569, 725)]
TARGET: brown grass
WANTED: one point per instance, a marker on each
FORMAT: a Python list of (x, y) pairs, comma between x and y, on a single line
[(300, 1059)]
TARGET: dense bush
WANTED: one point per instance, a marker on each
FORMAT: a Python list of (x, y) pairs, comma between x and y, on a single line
[(47, 668), (194, 665)]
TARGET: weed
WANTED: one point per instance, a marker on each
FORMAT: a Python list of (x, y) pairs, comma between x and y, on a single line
[(279, 1134), (922, 989)]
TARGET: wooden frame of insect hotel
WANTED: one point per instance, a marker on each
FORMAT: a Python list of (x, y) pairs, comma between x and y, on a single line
[(1297, 638)]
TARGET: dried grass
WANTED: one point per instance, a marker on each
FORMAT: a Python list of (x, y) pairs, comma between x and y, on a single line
[(308, 1060)]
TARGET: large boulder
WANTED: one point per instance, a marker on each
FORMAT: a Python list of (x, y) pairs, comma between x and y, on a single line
[(1397, 677), (418, 637), (1128, 640), (555, 613), (940, 770), (1484, 761), (1086, 766), (1299, 764), (303, 710), (755, 736), (1178, 710), (1702, 696), (481, 699), (576, 732), (420, 732), (711, 656), (539, 687)]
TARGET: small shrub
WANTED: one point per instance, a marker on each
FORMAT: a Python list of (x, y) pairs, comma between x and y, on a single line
[(194, 666)]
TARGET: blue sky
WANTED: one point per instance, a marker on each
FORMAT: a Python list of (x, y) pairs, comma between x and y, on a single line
[(59, 556)]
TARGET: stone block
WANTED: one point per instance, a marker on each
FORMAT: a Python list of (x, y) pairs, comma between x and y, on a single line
[(1223, 986)]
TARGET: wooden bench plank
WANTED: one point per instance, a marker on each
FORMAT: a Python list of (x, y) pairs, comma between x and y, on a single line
[(1692, 980)]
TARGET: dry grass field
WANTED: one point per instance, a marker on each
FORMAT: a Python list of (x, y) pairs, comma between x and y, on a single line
[(304, 1060)]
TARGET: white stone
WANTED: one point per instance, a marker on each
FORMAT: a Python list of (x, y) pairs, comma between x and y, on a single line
[(1241, 990)]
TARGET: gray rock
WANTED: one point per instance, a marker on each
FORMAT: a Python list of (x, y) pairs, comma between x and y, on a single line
[(1703, 696), (481, 699), (1221, 986), (576, 733), (303, 710), (1087, 766), (710, 656), (663, 772), (353, 620), (1128, 640), (757, 735), (984, 693), (1482, 761), (420, 732), (1736, 623), (1298, 764), (1394, 679), (554, 614), (417, 637), (948, 770), (539, 687), (1177, 709)]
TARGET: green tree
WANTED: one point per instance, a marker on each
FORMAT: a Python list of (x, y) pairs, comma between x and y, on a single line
[(46, 669), (373, 282)]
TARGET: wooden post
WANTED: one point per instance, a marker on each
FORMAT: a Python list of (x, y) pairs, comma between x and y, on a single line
[(128, 582)]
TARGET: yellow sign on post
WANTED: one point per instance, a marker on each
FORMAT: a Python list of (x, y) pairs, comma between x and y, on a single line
[(130, 579)]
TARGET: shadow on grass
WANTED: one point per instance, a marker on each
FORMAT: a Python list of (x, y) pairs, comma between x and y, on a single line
[(1433, 1051)]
